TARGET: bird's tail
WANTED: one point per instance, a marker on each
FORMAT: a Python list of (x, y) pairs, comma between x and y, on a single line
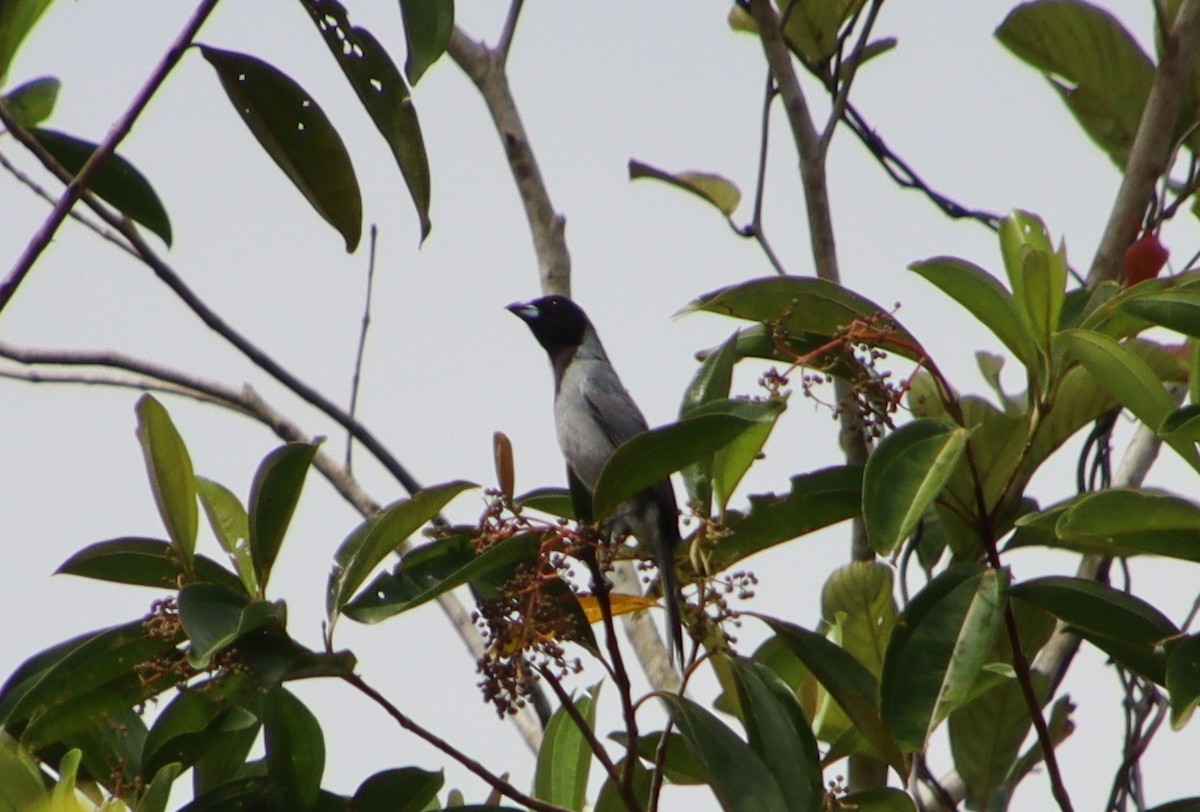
[(672, 599)]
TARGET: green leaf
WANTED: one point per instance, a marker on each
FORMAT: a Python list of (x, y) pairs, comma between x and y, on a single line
[(807, 307), (428, 25), (21, 780), (1125, 627), (555, 501), (295, 749), (883, 799), (273, 497), (904, 476), (204, 717), (811, 28), (780, 734), (231, 526), (987, 300), (295, 132), (1180, 805), (210, 616), (816, 500), (716, 190), (730, 463), (610, 798), (938, 650), (143, 562), (158, 792), (1183, 679), (564, 758), (382, 92), (95, 680), (404, 789), (1037, 273), (1182, 423), (117, 182), (16, 22), (711, 382), (739, 779), (428, 571), (858, 598), (1117, 522), (380, 536), (847, 681), (1127, 378), (32, 102), (1097, 67), (1175, 309), (653, 455), (171, 477)]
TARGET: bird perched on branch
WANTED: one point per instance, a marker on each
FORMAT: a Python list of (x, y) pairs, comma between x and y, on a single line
[(593, 414)]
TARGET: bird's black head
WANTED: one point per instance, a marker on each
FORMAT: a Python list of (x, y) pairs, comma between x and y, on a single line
[(557, 323)]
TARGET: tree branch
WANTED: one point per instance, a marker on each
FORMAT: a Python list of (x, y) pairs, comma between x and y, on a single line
[(43, 236), (485, 68), (1153, 144)]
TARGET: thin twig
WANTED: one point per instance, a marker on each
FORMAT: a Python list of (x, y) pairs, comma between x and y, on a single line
[(841, 96), (755, 227), (509, 30), (362, 343), (42, 192), (494, 781), (43, 236)]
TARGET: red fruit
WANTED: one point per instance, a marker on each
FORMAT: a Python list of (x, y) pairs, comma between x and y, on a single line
[(1143, 260)]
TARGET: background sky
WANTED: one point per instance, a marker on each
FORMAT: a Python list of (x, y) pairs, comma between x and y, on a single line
[(597, 84)]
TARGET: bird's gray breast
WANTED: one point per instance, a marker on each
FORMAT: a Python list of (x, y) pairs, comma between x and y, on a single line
[(593, 414)]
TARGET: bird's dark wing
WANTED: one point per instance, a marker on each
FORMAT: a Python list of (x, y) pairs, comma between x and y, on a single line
[(613, 410)]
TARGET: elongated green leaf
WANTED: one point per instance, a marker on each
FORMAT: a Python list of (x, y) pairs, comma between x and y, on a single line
[(428, 25), (653, 455), (884, 799), (816, 500), (1181, 805), (780, 734), (905, 474), (231, 525), (611, 799), (1175, 309), (1118, 522), (158, 793), (273, 498), (198, 720), (808, 308), (382, 92), (555, 501), (428, 571), (731, 462), (295, 749), (380, 536), (1125, 627), (987, 300), (1100, 71), (711, 382), (116, 182), (21, 779), (16, 22), (858, 598), (143, 562), (295, 132), (405, 789), (716, 190), (210, 616), (565, 757), (938, 650), (1183, 679), (811, 28), (32, 102), (738, 777), (1127, 378), (95, 680), (847, 681), (1183, 423), (171, 476)]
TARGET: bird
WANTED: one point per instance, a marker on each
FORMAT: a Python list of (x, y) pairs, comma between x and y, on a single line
[(593, 415)]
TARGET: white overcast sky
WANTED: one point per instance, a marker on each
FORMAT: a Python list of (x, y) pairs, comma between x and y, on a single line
[(597, 84)]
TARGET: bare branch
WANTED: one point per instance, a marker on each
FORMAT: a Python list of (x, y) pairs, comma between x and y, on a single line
[(486, 70), (120, 129), (510, 29), (841, 96), (362, 341)]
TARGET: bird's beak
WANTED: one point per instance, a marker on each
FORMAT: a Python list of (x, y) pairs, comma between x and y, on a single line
[(525, 311)]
